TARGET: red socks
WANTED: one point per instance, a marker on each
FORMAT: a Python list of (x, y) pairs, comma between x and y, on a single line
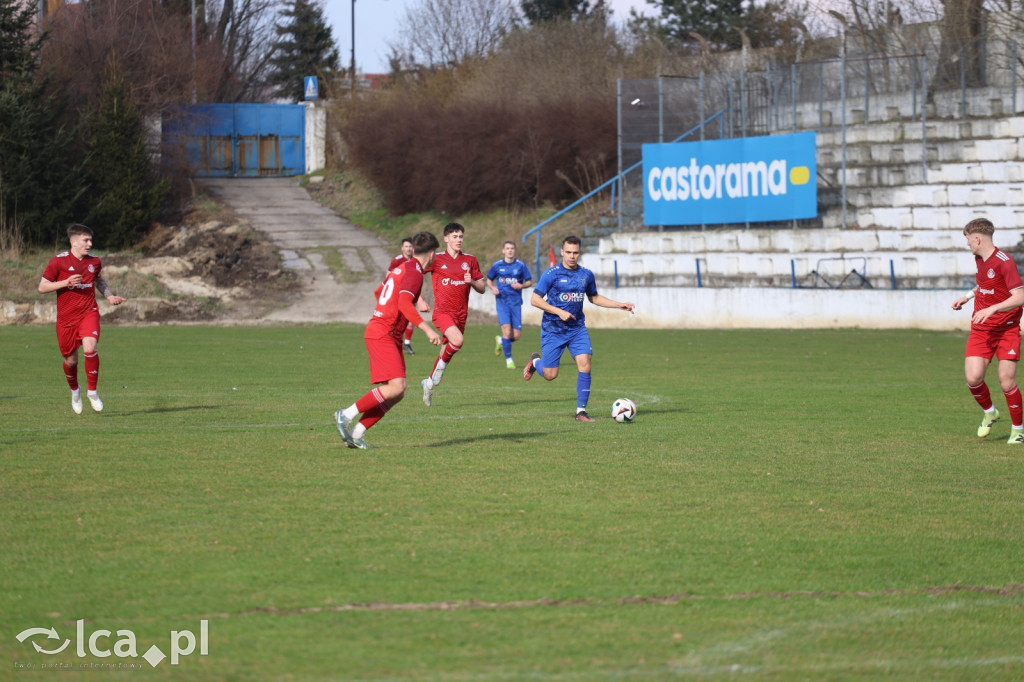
[(981, 394), (449, 351), (71, 374), (92, 369), (1014, 403), (369, 401)]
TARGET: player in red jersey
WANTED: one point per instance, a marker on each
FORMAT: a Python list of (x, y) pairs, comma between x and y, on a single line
[(75, 276), (396, 308), (421, 305), (452, 274), (995, 327)]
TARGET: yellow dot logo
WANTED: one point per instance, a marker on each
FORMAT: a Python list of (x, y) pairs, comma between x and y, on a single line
[(800, 175)]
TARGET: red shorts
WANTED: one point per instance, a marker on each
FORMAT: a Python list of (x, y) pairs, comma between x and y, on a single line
[(70, 338), (386, 359), (445, 320), (1002, 343)]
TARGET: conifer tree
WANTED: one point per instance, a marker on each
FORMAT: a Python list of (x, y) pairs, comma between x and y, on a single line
[(124, 193), (40, 181), (305, 47)]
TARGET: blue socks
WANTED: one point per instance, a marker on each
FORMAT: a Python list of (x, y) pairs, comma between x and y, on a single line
[(582, 389), (506, 344)]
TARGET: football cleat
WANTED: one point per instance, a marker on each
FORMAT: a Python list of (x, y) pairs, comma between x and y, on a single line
[(529, 370), (97, 404), (342, 421), (428, 390), (76, 402), (497, 345), (408, 348), (1016, 436), (359, 444), (510, 364), (987, 420), (584, 417)]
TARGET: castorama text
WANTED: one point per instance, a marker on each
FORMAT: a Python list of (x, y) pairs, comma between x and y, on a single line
[(752, 179)]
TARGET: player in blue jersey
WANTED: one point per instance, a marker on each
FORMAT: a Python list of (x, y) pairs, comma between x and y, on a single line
[(507, 278), (559, 293)]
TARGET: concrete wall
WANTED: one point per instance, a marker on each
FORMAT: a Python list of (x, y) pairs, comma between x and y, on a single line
[(316, 137), (766, 308)]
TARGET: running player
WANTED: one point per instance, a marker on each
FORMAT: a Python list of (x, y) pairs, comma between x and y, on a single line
[(995, 327), (421, 305), (396, 308), (564, 324), (507, 278), (452, 274), (76, 276)]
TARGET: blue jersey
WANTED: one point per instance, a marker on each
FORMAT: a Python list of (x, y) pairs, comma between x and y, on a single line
[(503, 274), (565, 289)]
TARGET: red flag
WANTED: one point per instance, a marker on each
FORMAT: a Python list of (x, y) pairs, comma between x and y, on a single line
[(551, 256)]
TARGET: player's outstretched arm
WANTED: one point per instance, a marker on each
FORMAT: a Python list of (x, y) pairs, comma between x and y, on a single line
[(104, 288), (605, 302)]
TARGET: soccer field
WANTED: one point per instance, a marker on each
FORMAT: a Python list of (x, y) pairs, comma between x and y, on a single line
[(787, 505)]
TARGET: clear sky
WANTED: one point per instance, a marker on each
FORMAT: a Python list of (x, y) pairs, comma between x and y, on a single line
[(376, 21)]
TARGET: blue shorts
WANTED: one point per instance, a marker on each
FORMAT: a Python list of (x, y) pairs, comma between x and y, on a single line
[(576, 339), (510, 314)]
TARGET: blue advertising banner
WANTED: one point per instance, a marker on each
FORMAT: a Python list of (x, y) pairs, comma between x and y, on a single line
[(748, 179)]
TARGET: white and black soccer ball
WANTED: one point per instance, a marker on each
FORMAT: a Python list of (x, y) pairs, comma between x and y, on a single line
[(623, 410)]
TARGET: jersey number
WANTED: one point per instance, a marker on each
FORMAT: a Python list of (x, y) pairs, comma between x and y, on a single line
[(386, 291)]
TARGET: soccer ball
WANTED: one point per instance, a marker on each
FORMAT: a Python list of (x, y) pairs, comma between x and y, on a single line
[(623, 410)]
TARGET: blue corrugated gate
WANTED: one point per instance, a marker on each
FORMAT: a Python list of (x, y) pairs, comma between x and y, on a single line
[(240, 140)]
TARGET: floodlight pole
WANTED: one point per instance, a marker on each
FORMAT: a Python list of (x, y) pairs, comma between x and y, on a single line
[(353, 63)]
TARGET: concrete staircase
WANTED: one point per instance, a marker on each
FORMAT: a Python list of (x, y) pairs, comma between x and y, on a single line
[(910, 190)]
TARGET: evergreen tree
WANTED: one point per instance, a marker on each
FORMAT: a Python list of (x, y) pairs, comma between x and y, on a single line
[(305, 47), (541, 11), (715, 20), (40, 180), (124, 193)]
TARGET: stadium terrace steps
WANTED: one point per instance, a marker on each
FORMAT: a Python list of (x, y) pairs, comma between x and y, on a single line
[(903, 218)]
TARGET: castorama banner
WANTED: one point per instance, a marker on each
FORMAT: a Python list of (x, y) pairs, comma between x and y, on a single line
[(749, 179)]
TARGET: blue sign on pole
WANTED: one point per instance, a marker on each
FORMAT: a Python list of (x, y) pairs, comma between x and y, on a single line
[(750, 179), (309, 87)]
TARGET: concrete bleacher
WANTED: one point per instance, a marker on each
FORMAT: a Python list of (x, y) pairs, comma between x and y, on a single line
[(910, 188)]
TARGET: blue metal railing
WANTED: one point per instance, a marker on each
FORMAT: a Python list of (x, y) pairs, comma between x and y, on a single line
[(613, 183)]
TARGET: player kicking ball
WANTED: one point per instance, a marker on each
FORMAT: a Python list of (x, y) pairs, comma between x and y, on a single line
[(395, 309), (560, 293)]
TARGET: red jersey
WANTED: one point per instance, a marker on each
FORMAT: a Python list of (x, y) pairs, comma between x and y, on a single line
[(387, 319), (451, 290), (996, 278), (396, 261), (74, 302)]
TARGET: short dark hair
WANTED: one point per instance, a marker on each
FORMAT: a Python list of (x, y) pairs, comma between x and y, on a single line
[(453, 227), (407, 239), (424, 242), (507, 242), (980, 226), (572, 239), (78, 228)]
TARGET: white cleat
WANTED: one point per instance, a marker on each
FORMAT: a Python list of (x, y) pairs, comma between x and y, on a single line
[(76, 402), (97, 404), (428, 390)]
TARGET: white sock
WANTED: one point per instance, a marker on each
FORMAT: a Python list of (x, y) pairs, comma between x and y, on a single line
[(350, 412), (358, 432), (92, 393)]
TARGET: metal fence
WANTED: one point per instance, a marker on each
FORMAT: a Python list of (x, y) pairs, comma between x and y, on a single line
[(832, 93)]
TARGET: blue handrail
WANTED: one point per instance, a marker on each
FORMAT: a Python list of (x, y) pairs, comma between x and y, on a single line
[(613, 183)]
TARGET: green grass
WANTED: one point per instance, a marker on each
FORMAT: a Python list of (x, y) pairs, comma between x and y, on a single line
[(788, 505)]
